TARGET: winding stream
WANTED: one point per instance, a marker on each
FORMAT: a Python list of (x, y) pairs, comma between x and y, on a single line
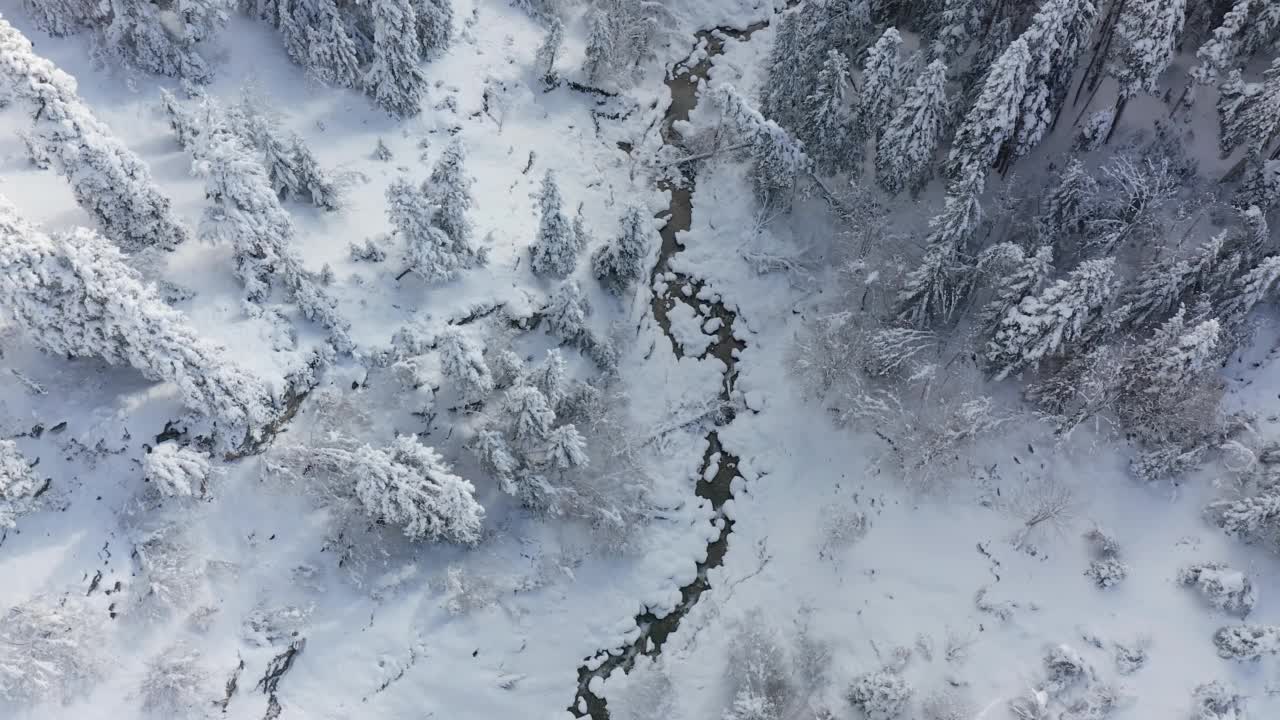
[(683, 82)]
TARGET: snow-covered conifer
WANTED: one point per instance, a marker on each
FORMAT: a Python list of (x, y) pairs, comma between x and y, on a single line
[(1146, 37), (1067, 207), (620, 261), (394, 79), (779, 158), (1217, 701), (17, 483), (567, 312), (49, 648), (410, 485), (531, 416), (994, 117), (551, 378), (332, 56), (1175, 356), (1224, 588), (622, 34), (1058, 32), (825, 128), (164, 40), (109, 181), (1253, 518), (1247, 642), (881, 78), (1042, 325), (176, 684), (1261, 184), (904, 153), (462, 360), (1218, 54), (934, 289), (435, 25), (1015, 275), (554, 252), (1254, 118), (76, 296), (448, 190), (177, 471), (491, 449), (65, 17), (1251, 288), (880, 695), (548, 52), (314, 184), (566, 448)]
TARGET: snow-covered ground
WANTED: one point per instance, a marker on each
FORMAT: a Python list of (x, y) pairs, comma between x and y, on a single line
[(829, 542)]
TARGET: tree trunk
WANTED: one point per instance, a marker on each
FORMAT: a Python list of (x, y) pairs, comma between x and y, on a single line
[(1100, 48)]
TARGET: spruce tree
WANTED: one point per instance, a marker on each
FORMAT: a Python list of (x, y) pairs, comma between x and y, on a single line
[(1261, 183), (531, 416), (462, 360), (434, 24), (993, 119), (620, 262), (1058, 32), (935, 288), (394, 79), (1251, 289), (429, 251), (555, 250), (1056, 319), (1146, 38), (314, 184), (410, 485), (566, 314), (1068, 206), (548, 52), (826, 129), (779, 158), (1256, 121), (1219, 53), (332, 57), (1017, 274), (881, 74), (76, 296), (448, 190), (904, 153), (566, 448), (163, 41)]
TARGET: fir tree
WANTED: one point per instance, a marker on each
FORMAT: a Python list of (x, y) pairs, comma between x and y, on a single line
[(620, 262), (109, 181), (1251, 289), (531, 416), (76, 296), (435, 25), (1060, 316), (992, 120), (1068, 206), (555, 250), (491, 449), (934, 289), (566, 448), (448, 190), (1219, 53), (904, 153), (18, 485), (621, 35), (548, 52), (1058, 32), (313, 183), (462, 360), (1146, 37), (826, 130), (791, 63), (430, 251), (65, 17), (1253, 115), (1261, 184), (778, 157), (332, 57), (164, 41), (394, 79), (1174, 358), (410, 485), (551, 378), (567, 313), (1016, 275), (881, 74)]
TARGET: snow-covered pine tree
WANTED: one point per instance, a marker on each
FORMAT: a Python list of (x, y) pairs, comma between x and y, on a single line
[(779, 158), (410, 485), (332, 57), (462, 360), (1253, 117), (622, 34), (904, 153), (17, 484), (1261, 183), (826, 128), (184, 124), (448, 190), (429, 250), (65, 17), (1043, 325), (1251, 289), (50, 648), (1014, 274), (435, 26), (314, 184), (956, 25), (1146, 38), (1067, 207), (1166, 371), (934, 289), (881, 78), (620, 261), (109, 181), (551, 378), (164, 39), (1263, 30), (1218, 54), (246, 214), (263, 133), (566, 448), (394, 79), (76, 296), (495, 455), (994, 117), (567, 313), (1058, 32), (554, 251), (803, 41), (177, 471), (293, 18), (544, 63), (531, 416)]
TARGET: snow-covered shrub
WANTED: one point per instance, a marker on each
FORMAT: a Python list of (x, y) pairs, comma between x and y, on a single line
[(750, 704), (1247, 642), (76, 296), (1131, 658), (1217, 700), (1252, 518), (1226, 589), (1107, 572), (169, 568), (463, 593), (17, 483), (1064, 667), (462, 360), (842, 526), (879, 695), (1045, 503), (1102, 543), (49, 649), (1098, 702), (177, 471), (947, 704), (176, 684)]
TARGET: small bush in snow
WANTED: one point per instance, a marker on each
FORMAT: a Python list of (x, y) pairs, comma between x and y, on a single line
[(17, 483), (1247, 642), (1107, 572), (1097, 703), (1131, 658), (464, 593), (174, 684), (1102, 543), (177, 471), (1252, 519), (1217, 701), (880, 695), (750, 704), (1065, 668), (1224, 588), (48, 649)]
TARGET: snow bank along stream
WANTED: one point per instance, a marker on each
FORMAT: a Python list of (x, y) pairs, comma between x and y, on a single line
[(683, 82)]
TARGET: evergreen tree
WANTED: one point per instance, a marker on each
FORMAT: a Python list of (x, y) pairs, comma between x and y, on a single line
[(109, 181), (1175, 358), (1017, 274), (566, 314), (435, 25), (184, 124), (621, 261), (1058, 32), (163, 40), (566, 448), (802, 43), (1146, 37), (394, 79), (313, 183), (17, 484), (430, 251), (1219, 53), (551, 378), (1068, 206), (332, 57), (1255, 120), (825, 130), (263, 133), (1261, 184), (778, 157), (1060, 316), (881, 76), (491, 449), (531, 416), (622, 34), (65, 17), (448, 190), (410, 485), (462, 360), (904, 153), (548, 52), (934, 289), (956, 25), (76, 296), (1251, 289), (992, 120), (555, 250)]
